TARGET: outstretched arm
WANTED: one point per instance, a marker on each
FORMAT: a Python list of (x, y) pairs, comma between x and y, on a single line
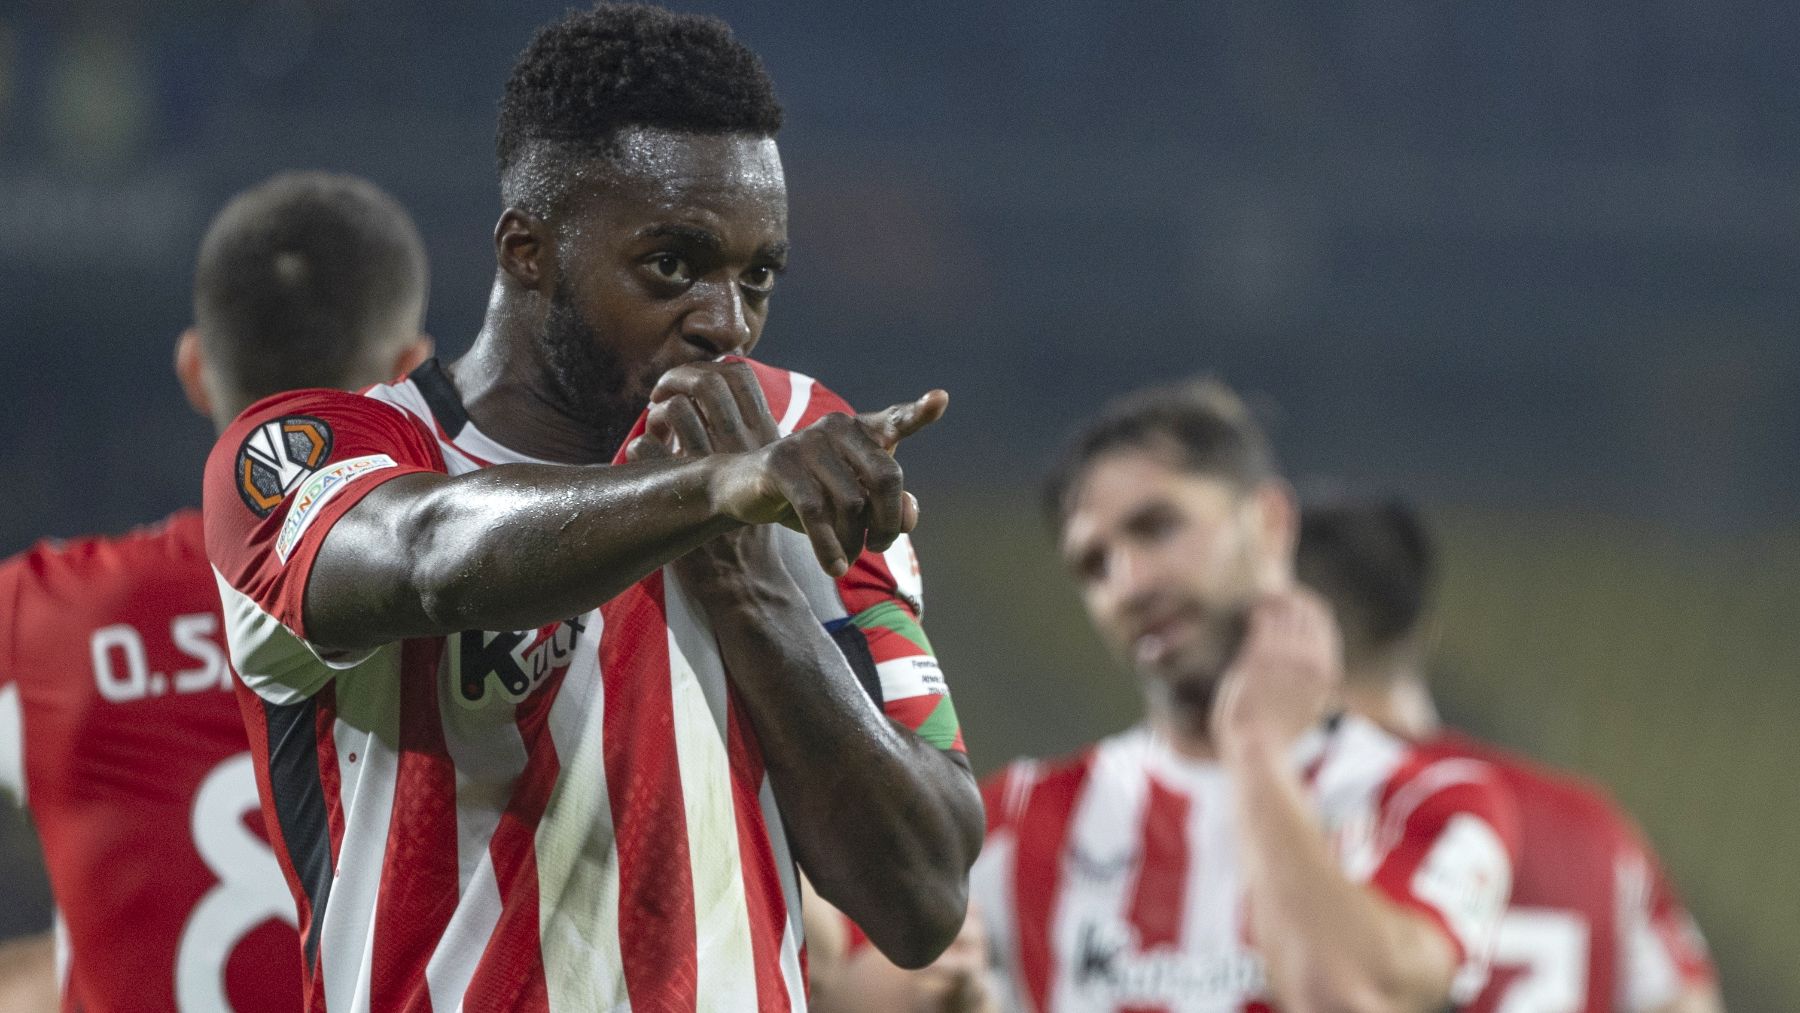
[(884, 824), (398, 549)]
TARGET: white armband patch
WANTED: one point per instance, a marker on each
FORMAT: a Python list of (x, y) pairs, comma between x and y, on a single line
[(309, 500)]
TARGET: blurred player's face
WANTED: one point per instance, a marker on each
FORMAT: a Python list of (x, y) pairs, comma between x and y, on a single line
[(667, 255), (1169, 561)]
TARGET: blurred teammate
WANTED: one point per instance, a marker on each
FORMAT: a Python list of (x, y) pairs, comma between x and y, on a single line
[(1243, 848), (118, 727), (514, 759), (1593, 926)]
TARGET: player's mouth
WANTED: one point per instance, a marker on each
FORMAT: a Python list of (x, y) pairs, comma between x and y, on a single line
[(1156, 641)]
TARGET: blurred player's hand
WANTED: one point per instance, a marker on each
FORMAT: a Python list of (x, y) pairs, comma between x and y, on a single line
[(866, 982), (958, 981), (836, 480), (1284, 674)]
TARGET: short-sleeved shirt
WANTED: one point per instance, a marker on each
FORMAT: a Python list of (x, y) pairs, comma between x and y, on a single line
[(1594, 925), (1111, 881), (119, 731), (569, 817)]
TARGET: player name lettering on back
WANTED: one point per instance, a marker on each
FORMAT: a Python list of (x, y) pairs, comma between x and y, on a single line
[(122, 667)]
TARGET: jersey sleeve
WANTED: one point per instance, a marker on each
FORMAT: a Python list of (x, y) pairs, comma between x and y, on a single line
[(281, 475), (880, 602), (1451, 837), (1661, 952)]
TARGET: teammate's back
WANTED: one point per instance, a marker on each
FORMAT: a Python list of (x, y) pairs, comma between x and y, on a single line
[(1593, 927), (1587, 887), (134, 768), (119, 729)]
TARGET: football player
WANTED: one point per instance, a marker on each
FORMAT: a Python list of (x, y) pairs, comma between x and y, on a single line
[(119, 730)]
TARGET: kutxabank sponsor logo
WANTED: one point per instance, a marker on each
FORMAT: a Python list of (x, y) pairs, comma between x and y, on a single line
[(512, 665), (1109, 964)]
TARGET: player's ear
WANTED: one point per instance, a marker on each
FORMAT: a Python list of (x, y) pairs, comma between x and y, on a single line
[(525, 248), (1277, 518), (413, 355), (190, 369)]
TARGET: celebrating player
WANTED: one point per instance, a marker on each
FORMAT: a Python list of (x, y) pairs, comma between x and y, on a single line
[(1242, 848), (118, 727), (512, 758), (1593, 926)]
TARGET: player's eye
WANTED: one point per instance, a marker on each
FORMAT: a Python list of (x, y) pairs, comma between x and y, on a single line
[(671, 268), (761, 279)]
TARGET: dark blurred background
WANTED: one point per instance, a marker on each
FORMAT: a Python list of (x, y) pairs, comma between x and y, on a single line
[(1533, 263)]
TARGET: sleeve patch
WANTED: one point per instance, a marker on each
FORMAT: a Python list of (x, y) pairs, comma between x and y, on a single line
[(932, 718), (1466, 877), (316, 491), (276, 457)]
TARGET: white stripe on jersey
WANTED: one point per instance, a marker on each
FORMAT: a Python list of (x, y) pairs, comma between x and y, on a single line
[(1648, 976), (280, 667), (727, 966), (489, 757), (799, 397), (577, 852), (794, 936), (12, 744), (367, 727)]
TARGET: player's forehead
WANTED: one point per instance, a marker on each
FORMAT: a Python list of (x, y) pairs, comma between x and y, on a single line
[(716, 180), (1120, 489)]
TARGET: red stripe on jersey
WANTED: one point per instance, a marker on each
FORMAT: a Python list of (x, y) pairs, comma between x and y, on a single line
[(1037, 871), (421, 861), (330, 778), (643, 781), (1160, 896), (511, 974), (762, 883)]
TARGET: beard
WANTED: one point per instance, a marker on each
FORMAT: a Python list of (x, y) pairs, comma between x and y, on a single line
[(588, 381), (1198, 669)]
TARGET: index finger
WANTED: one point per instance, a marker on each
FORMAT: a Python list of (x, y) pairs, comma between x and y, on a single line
[(897, 422)]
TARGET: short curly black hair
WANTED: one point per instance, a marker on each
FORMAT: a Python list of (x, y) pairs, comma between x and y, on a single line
[(1200, 424), (593, 74)]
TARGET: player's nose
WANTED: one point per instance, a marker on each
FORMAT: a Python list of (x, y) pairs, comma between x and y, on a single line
[(720, 324)]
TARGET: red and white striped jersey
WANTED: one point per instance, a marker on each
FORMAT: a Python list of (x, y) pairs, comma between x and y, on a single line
[(1112, 881), (573, 817), (1594, 926), (119, 732)]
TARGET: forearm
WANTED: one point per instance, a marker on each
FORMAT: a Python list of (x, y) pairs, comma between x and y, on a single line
[(884, 824), (506, 548), (1329, 944)]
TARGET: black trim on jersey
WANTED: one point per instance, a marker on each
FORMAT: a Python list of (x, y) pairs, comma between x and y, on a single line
[(855, 645), (300, 805), (440, 396)]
